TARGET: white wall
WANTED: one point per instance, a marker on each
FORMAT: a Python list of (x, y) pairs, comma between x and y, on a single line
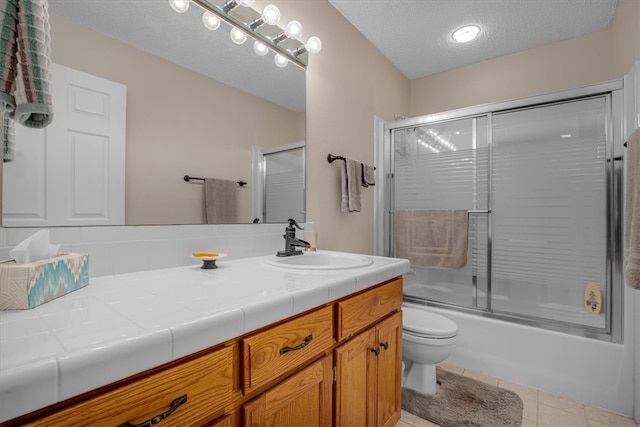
[(117, 250)]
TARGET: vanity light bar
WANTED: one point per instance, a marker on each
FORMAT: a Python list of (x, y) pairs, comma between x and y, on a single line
[(249, 29)]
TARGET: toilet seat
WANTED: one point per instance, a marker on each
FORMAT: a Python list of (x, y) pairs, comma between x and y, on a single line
[(425, 324)]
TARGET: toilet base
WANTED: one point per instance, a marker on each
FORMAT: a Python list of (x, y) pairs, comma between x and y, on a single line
[(421, 378)]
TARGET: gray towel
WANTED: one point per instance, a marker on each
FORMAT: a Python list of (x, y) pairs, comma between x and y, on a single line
[(432, 238), (25, 64), (351, 174), (632, 212), (368, 175), (219, 201), (8, 139)]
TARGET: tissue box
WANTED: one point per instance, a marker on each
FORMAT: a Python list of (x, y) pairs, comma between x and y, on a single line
[(28, 285)]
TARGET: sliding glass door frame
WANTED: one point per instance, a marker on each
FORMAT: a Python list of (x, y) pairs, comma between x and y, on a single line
[(385, 206)]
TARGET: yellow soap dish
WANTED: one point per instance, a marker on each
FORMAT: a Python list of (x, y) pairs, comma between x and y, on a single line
[(208, 258)]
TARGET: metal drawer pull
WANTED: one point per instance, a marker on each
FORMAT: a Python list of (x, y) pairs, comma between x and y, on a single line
[(155, 420), (376, 351), (385, 345), (300, 346)]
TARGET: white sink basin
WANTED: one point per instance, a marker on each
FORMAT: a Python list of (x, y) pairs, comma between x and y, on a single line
[(320, 261)]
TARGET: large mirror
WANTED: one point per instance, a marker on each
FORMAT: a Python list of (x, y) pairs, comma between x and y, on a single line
[(196, 104)]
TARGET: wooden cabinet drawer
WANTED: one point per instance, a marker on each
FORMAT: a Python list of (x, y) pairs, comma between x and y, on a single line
[(361, 311), (206, 382), (269, 354)]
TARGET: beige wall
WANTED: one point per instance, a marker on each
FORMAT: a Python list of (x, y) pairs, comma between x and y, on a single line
[(593, 58), (178, 122), (348, 83)]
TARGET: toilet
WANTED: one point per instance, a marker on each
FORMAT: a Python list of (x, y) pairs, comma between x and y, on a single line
[(427, 339)]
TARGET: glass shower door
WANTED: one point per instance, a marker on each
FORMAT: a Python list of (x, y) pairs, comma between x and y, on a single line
[(549, 211), (439, 167)]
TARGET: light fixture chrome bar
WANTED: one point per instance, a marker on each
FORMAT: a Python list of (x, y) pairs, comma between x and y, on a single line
[(299, 51), (244, 27), (256, 23), (280, 37), (229, 6)]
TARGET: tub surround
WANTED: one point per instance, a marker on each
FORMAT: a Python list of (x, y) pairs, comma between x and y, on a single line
[(124, 324)]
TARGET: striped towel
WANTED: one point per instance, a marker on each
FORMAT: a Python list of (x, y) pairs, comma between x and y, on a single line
[(25, 62), (8, 54), (8, 141)]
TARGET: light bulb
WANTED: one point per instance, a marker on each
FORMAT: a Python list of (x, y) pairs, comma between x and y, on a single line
[(237, 36), (246, 3), (271, 14), (211, 21), (179, 6), (466, 34), (313, 45), (293, 30), (280, 61), (260, 48)]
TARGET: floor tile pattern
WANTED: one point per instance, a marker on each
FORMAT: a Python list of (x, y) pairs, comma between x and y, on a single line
[(540, 409)]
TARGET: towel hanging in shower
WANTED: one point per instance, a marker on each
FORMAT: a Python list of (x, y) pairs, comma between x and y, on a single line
[(432, 238)]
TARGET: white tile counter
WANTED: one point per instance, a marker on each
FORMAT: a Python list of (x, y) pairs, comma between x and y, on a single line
[(124, 324)]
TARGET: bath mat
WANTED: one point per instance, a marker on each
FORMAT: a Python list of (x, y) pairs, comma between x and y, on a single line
[(465, 402)]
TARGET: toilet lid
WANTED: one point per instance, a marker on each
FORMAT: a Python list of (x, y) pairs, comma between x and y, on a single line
[(426, 323)]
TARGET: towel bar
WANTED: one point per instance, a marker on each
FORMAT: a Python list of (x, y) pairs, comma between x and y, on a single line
[(331, 158), (188, 178)]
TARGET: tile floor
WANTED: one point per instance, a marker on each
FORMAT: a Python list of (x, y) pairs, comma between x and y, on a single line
[(540, 409)]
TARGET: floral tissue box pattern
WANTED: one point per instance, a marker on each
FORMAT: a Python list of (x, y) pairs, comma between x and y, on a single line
[(24, 286)]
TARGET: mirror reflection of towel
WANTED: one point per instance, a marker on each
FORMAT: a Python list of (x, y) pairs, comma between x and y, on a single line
[(432, 238), (8, 139), (219, 201)]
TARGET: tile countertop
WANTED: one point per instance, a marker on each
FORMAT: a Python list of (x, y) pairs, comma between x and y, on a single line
[(124, 324)]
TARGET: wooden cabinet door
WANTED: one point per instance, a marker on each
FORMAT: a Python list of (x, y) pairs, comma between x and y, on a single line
[(389, 377), (304, 399), (368, 376), (356, 381)]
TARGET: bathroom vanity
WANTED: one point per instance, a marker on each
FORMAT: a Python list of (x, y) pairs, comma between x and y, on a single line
[(250, 343)]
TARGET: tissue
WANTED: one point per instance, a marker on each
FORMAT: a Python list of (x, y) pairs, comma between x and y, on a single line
[(34, 248)]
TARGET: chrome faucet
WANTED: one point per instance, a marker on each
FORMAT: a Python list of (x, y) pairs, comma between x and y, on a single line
[(291, 241)]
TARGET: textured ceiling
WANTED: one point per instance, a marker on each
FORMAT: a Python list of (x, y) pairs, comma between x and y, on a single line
[(415, 35)]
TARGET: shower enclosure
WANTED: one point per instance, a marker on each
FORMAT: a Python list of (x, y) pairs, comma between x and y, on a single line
[(278, 183), (540, 180)]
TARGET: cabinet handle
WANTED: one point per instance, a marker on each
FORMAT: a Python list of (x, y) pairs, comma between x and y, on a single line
[(300, 346), (375, 351), (155, 420), (385, 345)]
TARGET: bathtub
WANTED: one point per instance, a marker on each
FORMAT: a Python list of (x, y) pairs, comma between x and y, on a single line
[(590, 371)]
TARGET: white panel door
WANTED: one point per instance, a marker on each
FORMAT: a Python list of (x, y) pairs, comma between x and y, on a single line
[(83, 151), (25, 181)]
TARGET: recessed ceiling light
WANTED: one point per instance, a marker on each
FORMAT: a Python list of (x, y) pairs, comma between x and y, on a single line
[(466, 34)]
